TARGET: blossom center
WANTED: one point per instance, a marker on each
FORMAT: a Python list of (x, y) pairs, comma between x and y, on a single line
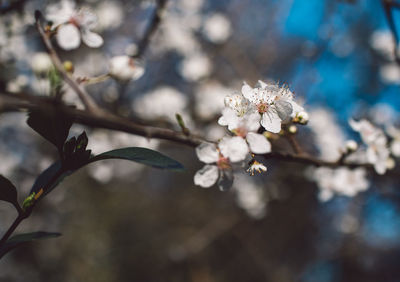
[(262, 107), (223, 163)]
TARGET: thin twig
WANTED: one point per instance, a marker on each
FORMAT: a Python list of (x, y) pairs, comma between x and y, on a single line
[(89, 103), (151, 28)]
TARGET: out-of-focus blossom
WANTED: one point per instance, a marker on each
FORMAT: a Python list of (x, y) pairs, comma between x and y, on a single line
[(383, 42), (162, 103), (195, 67), (125, 68), (395, 143), (73, 25), (377, 149), (110, 15), (209, 100), (41, 63), (390, 73), (217, 28), (16, 85), (329, 137), (341, 181), (250, 196)]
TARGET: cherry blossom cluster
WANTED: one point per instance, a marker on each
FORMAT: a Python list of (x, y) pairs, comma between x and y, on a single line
[(261, 109)]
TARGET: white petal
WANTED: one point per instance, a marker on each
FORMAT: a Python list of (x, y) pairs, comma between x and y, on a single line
[(229, 118), (234, 148), (68, 37), (91, 39), (284, 109), (248, 93), (296, 108), (258, 143), (271, 122), (207, 176), (207, 153), (251, 121)]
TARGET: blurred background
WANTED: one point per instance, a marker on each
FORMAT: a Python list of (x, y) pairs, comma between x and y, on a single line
[(124, 222)]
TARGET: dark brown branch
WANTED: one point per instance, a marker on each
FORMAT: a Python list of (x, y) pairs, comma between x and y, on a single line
[(13, 102), (80, 91), (151, 28)]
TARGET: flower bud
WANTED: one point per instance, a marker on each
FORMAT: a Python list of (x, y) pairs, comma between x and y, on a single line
[(390, 163), (125, 68), (292, 129), (41, 63), (302, 117), (351, 146), (68, 66)]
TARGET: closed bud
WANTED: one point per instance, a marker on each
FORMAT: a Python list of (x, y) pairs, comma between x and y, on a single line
[(292, 129), (68, 66), (351, 146)]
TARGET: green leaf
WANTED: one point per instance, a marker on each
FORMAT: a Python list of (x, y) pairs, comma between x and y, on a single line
[(54, 173), (8, 192), (20, 239), (140, 155), (51, 126)]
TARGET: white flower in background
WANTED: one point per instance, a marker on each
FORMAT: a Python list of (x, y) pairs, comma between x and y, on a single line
[(328, 135), (41, 63), (195, 67), (341, 181), (209, 100), (395, 143), (382, 114), (377, 150), (390, 73), (110, 15), (250, 196), (161, 103), (73, 25), (125, 68), (383, 42), (273, 102), (218, 162), (217, 28)]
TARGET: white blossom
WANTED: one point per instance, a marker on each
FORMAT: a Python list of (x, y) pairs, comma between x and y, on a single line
[(125, 68), (273, 102), (377, 152), (195, 67), (209, 100), (41, 63), (73, 25), (218, 161), (341, 181), (161, 103), (217, 28), (395, 143)]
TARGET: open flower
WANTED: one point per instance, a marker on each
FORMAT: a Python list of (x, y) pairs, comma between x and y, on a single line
[(243, 120), (125, 68), (377, 149), (73, 25), (218, 161), (275, 104)]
